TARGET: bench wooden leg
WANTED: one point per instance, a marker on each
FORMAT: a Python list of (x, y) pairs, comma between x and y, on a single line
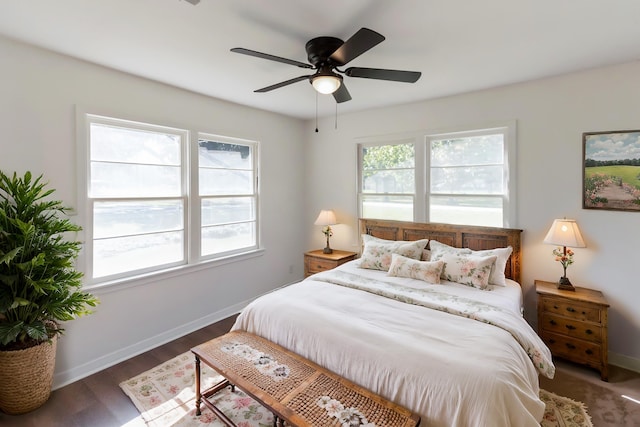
[(198, 394)]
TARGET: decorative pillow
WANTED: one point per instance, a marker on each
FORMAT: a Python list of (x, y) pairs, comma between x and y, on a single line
[(377, 252), (468, 269), (422, 270), (497, 276), (426, 255), (439, 249)]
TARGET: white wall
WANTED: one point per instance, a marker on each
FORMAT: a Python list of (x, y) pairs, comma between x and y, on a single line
[(38, 94), (551, 115)]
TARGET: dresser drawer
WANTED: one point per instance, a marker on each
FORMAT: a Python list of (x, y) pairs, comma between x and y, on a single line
[(571, 327), (571, 309), (316, 265), (572, 348)]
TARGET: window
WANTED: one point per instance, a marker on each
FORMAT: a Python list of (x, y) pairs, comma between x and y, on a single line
[(387, 184), (142, 198), (228, 195), (465, 177)]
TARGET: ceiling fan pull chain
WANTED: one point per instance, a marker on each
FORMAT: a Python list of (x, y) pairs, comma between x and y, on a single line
[(316, 112)]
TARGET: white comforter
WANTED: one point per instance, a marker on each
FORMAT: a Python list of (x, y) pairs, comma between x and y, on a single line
[(452, 370)]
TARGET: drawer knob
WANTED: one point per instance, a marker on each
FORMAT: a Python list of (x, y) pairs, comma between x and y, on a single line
[(588, 351), (555, 307), (571, 346), (552, 341), (571, 309), (553, 322), (588, 332), (570, 327)]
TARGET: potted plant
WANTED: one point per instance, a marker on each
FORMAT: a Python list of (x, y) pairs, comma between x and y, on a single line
[(39, 289)]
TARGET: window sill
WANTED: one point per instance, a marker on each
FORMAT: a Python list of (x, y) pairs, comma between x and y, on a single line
[(145, 279)]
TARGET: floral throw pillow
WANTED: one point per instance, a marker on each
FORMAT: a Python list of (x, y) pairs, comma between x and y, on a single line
[(377, 252), (468, 269), (497, 276), (439, 249), (422, 270)]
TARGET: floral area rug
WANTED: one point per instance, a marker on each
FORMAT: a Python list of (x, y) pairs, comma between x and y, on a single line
[(165, 396)]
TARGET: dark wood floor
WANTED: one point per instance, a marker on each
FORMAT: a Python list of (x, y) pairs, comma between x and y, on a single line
[(98, 401)]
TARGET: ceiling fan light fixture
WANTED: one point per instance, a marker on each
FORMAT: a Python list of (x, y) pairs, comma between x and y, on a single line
[(326, 83)]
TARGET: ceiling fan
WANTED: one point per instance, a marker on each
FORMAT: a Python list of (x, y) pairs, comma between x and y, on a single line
[(326, 54)]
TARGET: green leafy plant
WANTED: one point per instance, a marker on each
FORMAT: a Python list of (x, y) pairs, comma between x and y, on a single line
[(39, 285)]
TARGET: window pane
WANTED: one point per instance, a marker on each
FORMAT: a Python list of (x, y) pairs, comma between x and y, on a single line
[(387, 207), (222, 181), (388, 157), (134, 180), (223, 155), (121, 254), (467, 180), (466, 210), (115, 144), (227, 209), (475, 150), (112, 219), (389, 181), (224, 238)]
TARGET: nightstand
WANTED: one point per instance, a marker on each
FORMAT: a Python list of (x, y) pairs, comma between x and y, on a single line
[(317, 261), (573, 324)]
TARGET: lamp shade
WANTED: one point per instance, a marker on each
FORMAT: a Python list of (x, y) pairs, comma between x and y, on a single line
[(565, 232), (326, 217)]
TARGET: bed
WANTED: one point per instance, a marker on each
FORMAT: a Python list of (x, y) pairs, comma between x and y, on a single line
[(457, 354)]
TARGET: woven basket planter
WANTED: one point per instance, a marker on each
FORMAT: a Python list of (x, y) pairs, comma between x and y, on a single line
[(26, 377)]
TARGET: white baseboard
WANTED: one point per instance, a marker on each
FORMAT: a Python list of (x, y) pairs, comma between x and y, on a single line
[(625, 362), (60, 379)]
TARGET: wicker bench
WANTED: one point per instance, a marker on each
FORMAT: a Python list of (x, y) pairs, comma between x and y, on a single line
[(297, 391)]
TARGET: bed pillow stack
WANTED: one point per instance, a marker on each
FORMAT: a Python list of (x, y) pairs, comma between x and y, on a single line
[(459, 261), (377, 253)]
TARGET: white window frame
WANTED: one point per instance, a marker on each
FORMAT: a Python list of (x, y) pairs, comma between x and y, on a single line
[(196, 200), (423, 168), (418, 164), (190, 195)]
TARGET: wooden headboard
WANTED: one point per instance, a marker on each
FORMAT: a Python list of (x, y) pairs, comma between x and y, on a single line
[(460, 236)]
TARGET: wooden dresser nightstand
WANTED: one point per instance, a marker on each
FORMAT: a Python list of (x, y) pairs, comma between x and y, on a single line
[(574, 324), (317, 261)]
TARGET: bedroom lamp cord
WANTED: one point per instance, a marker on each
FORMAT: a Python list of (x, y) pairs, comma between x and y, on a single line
[(336, 119), (316, 112)]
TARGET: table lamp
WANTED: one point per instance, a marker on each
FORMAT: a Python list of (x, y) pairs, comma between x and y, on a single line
[(327, 218), (564, 232)]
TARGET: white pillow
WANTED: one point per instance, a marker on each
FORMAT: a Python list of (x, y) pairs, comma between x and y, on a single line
[(439, 249), (497, 276), (422, 270), (377, 252), (468, 269)]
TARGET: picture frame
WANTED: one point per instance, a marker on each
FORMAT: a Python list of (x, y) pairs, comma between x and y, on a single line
[(611, 170)]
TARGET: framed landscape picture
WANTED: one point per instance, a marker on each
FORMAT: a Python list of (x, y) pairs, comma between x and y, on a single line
[(611, 173)]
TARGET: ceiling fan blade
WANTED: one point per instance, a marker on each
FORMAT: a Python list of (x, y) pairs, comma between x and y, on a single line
[(342, 94), (381, 74), (359, 43), (282, 84), (270, 57)]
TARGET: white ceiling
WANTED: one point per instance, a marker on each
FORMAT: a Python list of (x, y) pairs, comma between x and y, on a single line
[(458, 45)]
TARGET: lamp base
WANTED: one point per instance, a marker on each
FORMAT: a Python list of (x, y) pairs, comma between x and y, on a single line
[(565, 285), (327, 250)]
